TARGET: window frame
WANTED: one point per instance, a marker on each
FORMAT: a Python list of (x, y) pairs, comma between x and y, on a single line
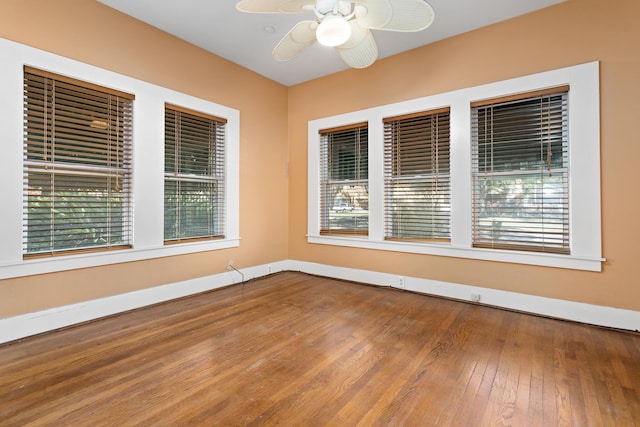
[(584, 158), (498, 152), (213, 176), (41, 103), (327, 147), (148, 166), (427, 179)]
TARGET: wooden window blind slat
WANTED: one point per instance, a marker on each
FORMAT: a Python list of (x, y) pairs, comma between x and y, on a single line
[(32, 71), (196, 114), (519, 96), (77, 167), (340, 129), (403, 117)]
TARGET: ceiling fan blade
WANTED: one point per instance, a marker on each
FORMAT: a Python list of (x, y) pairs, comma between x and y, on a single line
[(394, 15), (360, 50), (274, 6), (303, 34)]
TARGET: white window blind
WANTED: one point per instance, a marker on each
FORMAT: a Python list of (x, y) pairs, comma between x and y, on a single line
[(77, 165), (417, 180), (520, 172), (344, 184), (194, 175)]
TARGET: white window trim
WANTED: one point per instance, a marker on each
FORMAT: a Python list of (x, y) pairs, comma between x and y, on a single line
[(148, 164), (584, 158)]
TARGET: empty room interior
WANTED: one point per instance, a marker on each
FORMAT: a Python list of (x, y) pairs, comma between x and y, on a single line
[(443, 236)]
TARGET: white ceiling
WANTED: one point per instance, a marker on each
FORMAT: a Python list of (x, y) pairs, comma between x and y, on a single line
[(215, 25)]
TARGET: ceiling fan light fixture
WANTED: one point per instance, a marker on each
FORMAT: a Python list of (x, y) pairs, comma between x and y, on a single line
[(334, 30)]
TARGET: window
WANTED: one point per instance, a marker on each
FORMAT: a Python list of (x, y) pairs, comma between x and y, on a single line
[(194, 175), (77, 165), (83, 167), (344, 196), (507, 171), (520, 173), (416, 169)]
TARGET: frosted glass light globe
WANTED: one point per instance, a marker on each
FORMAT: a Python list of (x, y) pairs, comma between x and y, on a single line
[(334, 30)]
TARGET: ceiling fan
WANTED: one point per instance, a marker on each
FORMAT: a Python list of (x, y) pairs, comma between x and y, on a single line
[(345, 25)]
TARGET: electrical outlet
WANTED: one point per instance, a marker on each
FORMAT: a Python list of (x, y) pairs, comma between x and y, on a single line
[(401, 283), (230, 265), (475, 297), (269, 268)]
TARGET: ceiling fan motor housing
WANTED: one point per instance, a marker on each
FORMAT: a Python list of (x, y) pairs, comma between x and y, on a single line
[(327, 6)]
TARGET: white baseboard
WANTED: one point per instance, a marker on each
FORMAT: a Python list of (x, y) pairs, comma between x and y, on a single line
[(21, 326), (569, 310), (24, 325)]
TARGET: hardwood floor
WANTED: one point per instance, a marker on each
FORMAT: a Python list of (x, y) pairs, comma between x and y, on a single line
[(293, 349)]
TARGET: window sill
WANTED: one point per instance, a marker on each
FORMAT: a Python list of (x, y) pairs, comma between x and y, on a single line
[(445, 249), (31, 267)]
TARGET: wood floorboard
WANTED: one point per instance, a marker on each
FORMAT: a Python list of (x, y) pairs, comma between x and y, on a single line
[(292, 349)]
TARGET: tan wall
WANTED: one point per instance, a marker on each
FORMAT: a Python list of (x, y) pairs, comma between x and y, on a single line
[(77, 29), (574, 32), (570, 33)]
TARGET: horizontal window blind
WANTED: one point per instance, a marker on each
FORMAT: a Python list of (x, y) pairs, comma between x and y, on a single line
[(194, 175), (344, 185), (520, 173), (417, 180), (77, 165)]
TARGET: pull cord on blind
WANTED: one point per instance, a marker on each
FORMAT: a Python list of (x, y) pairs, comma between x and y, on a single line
[(344, 185), (194, 175), (417, 180), (520, 173), (77, 165)]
